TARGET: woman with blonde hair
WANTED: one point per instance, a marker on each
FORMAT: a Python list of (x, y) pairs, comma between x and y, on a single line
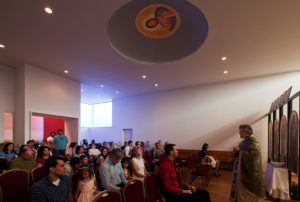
[(139, 171)]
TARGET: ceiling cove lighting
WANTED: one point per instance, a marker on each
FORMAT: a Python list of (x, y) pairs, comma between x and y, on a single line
[(48, 10), (225, 72), (156, 85), (66, 71), (2, 46), (224, 58)]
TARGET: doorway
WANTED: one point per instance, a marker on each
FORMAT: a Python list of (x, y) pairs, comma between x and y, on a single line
[(127, 135)]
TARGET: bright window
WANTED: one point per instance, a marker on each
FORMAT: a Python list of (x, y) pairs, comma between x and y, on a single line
[(97, 115), (86, 115), (102, 115)]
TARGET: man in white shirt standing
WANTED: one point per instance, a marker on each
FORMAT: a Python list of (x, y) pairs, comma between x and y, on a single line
[(128, 149), (50, 138)]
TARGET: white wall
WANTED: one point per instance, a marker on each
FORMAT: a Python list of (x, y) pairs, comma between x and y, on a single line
[(37, 128), (7, 89), (44, 93), (191, 116)]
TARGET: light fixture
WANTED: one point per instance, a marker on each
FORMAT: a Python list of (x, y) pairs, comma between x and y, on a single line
[(156, 85), (102, 86), (144, 76), (82, 90), (98, 95), (2, 46), (225, 72), (48, 10), (66, 71), (117, 92), (224, 58)]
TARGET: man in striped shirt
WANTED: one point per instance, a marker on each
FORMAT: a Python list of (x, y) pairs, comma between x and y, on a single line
[(56, 187)]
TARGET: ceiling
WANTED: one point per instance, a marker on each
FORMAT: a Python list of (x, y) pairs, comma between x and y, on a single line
[(259, 37)]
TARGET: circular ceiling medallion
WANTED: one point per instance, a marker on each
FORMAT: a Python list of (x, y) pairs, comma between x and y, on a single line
[(148, 31), (157, 21)]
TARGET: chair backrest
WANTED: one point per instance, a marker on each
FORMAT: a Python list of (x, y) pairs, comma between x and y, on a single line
[(134, 191), (37, 174), (152, 188), (14, 184), (147, 156), (3, 164), (109, 196)]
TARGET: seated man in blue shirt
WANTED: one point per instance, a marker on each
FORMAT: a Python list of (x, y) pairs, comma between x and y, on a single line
[(111, 172), (56, 187)]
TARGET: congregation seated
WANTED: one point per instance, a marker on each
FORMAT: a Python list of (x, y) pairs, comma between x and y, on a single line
[(43, 155), (174, 189), (56, 186), (158, 150), (207, 158), (98, 162), (86, 188), (111, 172), (93, 152), (139, 171), (79, 151), (128, 148), (147, 147), (126, 170), (25, 161), (8, 151)]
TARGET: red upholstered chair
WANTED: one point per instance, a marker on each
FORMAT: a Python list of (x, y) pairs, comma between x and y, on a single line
[(3, 164), (15, 185), (37, 174), (147, 156), (198, 169), (134, 191), (109, 196), (152, 188)]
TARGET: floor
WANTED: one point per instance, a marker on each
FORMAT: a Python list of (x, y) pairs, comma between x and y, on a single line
[(218, 187)]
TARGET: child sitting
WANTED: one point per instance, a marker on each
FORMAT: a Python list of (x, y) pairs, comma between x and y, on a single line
[(125, 165)]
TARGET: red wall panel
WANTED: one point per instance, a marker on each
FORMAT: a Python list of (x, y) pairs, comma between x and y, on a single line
[(52, 124)]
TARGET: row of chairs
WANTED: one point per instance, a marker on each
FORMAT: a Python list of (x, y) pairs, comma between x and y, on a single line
[(15, 183), (134, 191), (14, 186), (197, 169)]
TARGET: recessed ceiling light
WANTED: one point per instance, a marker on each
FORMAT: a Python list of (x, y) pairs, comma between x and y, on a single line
[(82, 90), (102, 86), (224, 58), (2, 46), (48, 10), (117, 92), (225, 72), (144, 76), (156, 85), (66, 71), (98, 95)]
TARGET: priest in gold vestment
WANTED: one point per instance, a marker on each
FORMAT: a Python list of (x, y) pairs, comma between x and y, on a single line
[(247, 181)]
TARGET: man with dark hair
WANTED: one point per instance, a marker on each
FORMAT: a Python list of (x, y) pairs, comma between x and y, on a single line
[(128, 149), (56, 187), (111, 172), (61, 142), (174, 189), (247, 182), (24, 161)]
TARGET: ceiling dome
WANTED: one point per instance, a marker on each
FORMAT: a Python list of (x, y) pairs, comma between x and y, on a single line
[(149, 31)]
